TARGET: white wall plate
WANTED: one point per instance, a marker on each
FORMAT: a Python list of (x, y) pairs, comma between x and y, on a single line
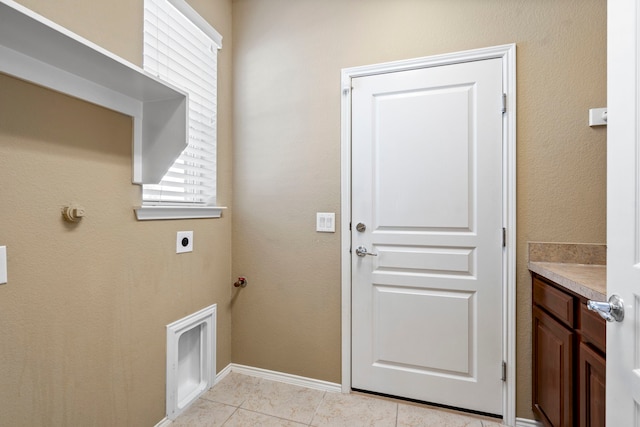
[(184, 242)]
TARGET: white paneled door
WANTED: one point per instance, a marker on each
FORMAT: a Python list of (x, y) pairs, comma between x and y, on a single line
[(623, 212), (427, 237)]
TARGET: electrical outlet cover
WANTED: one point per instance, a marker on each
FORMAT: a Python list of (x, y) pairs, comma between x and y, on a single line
[(184, 242)]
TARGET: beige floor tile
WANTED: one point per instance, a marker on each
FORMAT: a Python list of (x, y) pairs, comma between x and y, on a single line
[(272, 404), (337, 410), (243, 418), (284, 401), (415, 416), (233, 390), (204, 413)]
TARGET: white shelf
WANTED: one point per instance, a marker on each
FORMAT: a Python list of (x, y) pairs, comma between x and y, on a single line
[(34, 49)]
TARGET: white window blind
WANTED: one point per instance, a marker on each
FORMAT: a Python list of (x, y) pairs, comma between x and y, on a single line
[(177, 51)]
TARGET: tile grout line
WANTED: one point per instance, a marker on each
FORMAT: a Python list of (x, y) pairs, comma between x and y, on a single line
[(397, 412), (270, 416), (231, 416), (315, 412), (265, 381)]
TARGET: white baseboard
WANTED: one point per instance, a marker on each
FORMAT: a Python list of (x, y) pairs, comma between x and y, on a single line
[(165, 422), (523, 422), (223, 373), (281, 377)]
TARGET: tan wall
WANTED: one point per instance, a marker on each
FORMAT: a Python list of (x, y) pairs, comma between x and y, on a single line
[(287, 61), (84, 313)]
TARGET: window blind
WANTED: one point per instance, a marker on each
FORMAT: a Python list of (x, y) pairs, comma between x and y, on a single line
[(180, 53)]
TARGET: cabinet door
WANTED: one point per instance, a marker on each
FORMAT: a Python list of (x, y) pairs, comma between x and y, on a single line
[(592, 370), (552, 370)]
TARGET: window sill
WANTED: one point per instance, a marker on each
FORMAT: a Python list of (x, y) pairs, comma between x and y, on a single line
[(146, 213)]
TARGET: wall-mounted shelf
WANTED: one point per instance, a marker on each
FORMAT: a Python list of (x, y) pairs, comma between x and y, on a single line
[(37, 50)]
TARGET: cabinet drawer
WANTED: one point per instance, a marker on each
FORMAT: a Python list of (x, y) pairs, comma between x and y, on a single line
[(593, 328), (553, 300)]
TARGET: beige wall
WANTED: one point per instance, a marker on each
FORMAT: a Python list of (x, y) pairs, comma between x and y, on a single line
[(83, 316), (84, 313), (287, 61)]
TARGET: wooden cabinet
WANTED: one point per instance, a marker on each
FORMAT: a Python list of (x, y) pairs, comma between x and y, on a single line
[(568, 358)]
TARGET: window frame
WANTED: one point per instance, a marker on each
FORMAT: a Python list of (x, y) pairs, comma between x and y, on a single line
[(158, 210)]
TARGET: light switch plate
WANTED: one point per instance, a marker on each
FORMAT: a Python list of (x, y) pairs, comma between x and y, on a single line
[(326, 222), (184, 242), (3, 265)]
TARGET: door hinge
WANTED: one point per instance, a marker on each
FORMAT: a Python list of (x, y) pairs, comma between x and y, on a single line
[(504, 371), (504, 237), (349, 226), (504, 103)]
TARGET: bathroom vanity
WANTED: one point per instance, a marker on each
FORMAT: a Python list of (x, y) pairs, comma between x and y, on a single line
[(569, 344)]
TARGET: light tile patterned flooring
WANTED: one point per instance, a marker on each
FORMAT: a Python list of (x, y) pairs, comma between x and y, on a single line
[(245, 401)]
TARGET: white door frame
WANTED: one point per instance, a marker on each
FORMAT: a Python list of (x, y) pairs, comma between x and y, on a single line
[(508, 55)]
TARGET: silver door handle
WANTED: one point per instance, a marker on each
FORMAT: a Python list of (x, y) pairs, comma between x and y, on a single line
[(361, 251), (609, 311)]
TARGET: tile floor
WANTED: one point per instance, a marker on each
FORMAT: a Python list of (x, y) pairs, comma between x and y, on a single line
[(244, 401)]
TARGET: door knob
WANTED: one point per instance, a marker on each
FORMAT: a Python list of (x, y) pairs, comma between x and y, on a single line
[(609, 311), (361, 251)]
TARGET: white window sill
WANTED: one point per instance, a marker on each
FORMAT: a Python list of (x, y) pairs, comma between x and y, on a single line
[(146, 213)]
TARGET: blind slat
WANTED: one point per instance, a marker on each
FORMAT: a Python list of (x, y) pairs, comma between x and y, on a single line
[(171, 187)]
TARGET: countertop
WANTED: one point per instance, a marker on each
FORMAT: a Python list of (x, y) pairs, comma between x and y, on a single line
[(587, 280), (579, 267)]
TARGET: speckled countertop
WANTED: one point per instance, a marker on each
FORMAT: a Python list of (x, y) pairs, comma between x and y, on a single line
[(578, 267)]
